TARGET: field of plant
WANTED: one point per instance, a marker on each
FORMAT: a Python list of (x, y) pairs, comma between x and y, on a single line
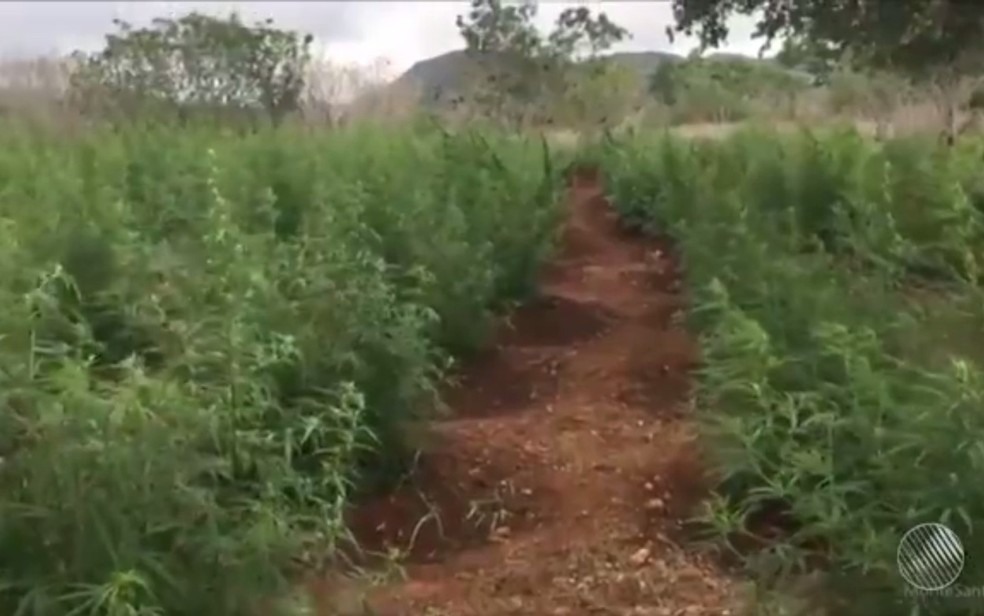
[(227, 302), (835, 285), (210, 342), (206, 337)]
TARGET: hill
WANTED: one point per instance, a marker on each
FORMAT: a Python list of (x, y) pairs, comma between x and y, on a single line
[(437, 77), (437, 81)]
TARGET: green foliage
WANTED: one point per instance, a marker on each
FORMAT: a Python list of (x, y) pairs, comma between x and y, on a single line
[(520, 70), (916, 36), (577, 34), (599, 95), (196, 64), (205, 339), (494, 28), (837, 292), (721, 89), (815, 57)]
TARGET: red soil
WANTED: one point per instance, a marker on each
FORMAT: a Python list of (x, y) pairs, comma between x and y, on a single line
[(569, 458)]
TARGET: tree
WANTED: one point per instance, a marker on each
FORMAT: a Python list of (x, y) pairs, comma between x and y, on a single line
[(664, 83), (518, 69), (722, 88), (814, 57), (578, 35), (914, 35), (599, 95), (932, 41), (196, 63)]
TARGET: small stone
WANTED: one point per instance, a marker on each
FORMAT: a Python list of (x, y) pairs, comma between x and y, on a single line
[(690, 573), (640, 557), (655, 504)]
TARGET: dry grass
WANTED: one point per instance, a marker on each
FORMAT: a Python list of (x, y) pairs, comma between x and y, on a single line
[(907, 120), (34, 88)]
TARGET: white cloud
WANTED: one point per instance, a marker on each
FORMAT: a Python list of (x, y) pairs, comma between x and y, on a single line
[(356, 32)]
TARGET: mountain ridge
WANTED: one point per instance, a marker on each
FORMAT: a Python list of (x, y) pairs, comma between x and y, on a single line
[(442, 74), (445, 71)]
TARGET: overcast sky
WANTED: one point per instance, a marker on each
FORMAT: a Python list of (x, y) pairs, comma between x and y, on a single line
[(348, 32)]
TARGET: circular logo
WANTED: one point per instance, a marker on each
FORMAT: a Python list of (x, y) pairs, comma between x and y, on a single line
[(930, 557)]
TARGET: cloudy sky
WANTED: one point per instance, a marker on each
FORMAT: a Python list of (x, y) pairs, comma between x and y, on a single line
[(347, 32)]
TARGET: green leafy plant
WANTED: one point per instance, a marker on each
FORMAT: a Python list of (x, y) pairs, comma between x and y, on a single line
[(212, 341), (837, 297)]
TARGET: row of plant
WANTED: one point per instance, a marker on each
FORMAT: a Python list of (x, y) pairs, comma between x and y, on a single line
[(834, 285), (208, 342)]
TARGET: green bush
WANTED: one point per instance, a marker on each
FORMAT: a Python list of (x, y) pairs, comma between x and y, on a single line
[(206, 338), (836, 291), (723, 89)]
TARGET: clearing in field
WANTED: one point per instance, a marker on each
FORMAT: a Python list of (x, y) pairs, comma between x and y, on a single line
[(558, 483)]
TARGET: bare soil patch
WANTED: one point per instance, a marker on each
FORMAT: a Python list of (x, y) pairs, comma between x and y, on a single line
[(574, 434)]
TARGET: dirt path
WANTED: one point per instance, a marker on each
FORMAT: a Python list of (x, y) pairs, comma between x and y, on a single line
[(557, 483)]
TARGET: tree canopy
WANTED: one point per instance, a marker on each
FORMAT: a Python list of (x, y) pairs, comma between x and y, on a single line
[(521, 68), (919, 37), (817, 58), (197, 62), (672, 82)]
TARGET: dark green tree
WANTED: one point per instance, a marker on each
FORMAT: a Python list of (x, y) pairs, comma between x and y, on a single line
[(817, 58), (937, 42), (913, 35)]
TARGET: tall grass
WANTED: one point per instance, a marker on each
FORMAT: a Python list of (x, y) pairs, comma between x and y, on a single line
[(835, 287), (209, 340)]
